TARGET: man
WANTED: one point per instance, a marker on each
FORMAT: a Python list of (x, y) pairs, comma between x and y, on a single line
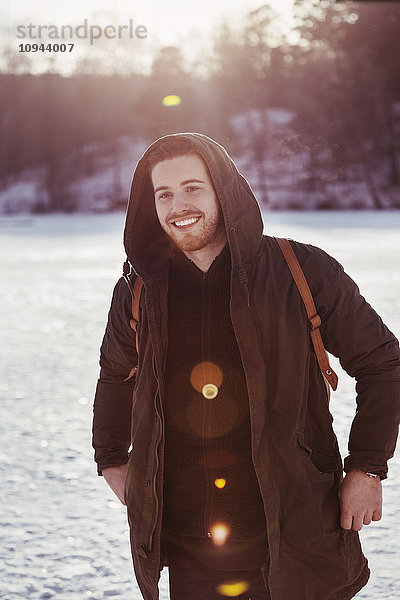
[(235, 479)]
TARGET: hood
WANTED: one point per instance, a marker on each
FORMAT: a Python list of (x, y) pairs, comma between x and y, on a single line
[(148, 247)]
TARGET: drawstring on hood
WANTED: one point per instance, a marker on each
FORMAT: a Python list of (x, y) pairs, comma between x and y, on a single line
[(127, 271), (148, 247)]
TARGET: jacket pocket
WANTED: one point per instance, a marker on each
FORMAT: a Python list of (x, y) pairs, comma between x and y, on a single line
[(322, 461)]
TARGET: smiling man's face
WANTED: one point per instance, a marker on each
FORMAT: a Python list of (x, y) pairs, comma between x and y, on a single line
[(187, 205)]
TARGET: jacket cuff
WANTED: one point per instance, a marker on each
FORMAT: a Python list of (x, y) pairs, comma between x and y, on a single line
[(111, 462), (364, 461)]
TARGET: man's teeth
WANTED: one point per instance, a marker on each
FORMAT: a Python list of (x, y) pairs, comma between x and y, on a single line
[(186, 222)]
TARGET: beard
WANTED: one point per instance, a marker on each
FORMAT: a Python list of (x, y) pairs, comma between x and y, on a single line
[(210, 233)]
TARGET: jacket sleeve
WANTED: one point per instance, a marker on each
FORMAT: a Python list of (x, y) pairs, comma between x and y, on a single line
[(369, 352), (113, 399)]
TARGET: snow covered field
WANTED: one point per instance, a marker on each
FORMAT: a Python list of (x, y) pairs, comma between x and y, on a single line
[(63, 534)]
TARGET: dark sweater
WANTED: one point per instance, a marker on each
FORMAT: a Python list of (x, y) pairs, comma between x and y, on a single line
[(208, 439)]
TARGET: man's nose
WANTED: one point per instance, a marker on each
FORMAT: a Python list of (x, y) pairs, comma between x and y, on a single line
[(179, 202)]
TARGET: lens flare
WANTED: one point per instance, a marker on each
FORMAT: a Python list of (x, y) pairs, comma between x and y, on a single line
[(171, 100), (220, 483), (206, 374), (232, 589), (219, 533), (210, 391)]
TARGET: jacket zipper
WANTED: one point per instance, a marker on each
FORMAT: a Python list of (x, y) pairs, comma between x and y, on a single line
[(156, 503), (205, 355), (250, 410)]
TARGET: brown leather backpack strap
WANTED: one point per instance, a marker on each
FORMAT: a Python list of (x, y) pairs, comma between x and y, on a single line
[(136, 293), (134, 322), (313, 318)]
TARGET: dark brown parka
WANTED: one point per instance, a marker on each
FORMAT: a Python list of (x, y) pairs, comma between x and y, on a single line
[(294, 449)]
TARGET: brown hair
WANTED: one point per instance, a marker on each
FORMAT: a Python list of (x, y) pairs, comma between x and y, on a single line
[(169, 148)]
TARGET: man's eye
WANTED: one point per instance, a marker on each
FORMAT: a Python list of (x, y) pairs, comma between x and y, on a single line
[(192, 188), (164, 195)]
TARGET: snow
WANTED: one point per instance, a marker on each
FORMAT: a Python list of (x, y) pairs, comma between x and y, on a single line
[(64, 535)]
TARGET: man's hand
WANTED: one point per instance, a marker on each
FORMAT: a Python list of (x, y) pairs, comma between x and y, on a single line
[(360, 500), (115, 477)]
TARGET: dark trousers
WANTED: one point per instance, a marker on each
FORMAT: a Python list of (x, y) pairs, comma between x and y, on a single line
[(189, 579)]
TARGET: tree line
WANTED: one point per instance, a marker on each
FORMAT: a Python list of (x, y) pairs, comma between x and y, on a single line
[(336, 75)]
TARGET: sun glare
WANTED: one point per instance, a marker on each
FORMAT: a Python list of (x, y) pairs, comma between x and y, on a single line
[(180, 19), (166, 23), (190, 26)]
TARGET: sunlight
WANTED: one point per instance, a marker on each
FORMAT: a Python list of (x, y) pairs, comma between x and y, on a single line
[(167, 23), (194, 23), (123, 32)]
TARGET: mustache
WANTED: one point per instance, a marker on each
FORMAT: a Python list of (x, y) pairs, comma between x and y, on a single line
[(173, 216)]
